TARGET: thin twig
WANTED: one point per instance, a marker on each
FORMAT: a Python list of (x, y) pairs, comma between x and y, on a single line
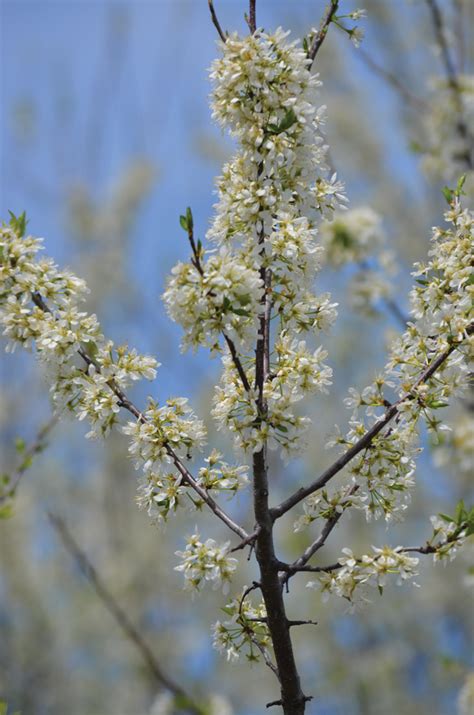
[(320, 541), (393, 80), (453, 81), (128, 405), (35, 448), (216, 22), (366, 440), (253, 16), (119, 614), (196, 262), (320, 36)]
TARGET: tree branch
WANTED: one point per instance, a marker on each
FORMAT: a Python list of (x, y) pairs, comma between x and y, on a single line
[(35, 448), (453, 81), (393, 80), (366, 440), (128, 405), (253, 16), (216, 21), (320, 36), (119, 614)]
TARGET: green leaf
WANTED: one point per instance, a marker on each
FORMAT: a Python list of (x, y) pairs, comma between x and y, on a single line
[(6, 512), (288, 120), (20, 445), (459, 187), (380, 588), (184, 223), (448, 194), (240, 311), (189, 219), (18, 223), (446, 518)]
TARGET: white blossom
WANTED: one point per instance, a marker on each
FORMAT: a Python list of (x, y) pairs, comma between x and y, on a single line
[(206, 561)]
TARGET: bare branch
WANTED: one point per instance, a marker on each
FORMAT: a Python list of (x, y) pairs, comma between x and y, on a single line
[(216, 21), (320, 36), (366, 440), (252, 16), (35, 448), (128, 405), (393, 80), (119, 615)]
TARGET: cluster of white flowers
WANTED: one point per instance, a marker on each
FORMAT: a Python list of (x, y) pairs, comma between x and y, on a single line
[(442, 320), (270, 196), (221, 298), (444, 147), (220, 476), (455, 449), (294, 372), (370, 570), (245, 630), (357, 237), (448, 537), (39, 305), (206, 561), (326, 505), (173, 425)]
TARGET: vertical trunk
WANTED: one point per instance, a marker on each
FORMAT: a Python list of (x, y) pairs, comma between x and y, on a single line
[(292, 698)]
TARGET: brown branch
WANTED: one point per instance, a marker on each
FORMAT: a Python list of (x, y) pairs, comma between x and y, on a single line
[(394, 81), (366, 440), (119, 615), (196, 262), (320, 36), (34, 448), (424, 550), (216, 21), (128, 405), (252, 16)]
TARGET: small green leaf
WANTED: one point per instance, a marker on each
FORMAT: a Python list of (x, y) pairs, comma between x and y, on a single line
[(448, 194), (184, 223), (288, 120), (18, 223), (189, 219), (6, 512), (20, 445), (380, 588), (459, 188)]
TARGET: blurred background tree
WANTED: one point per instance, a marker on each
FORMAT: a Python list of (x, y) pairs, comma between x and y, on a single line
[(106, 136)]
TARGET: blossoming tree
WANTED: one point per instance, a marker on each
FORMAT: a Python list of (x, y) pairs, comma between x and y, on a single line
[(247, 294)]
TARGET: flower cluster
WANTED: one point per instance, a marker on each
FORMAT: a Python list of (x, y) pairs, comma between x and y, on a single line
[(455, 448), (447, 537), (170, 427), (442, 323), (357, 237), (445, 148), (371, 570), (270, 196), (294, 372), (222, 297), (326, 505), (220, 476), (245, 630), (40, 307), (206, 562)]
